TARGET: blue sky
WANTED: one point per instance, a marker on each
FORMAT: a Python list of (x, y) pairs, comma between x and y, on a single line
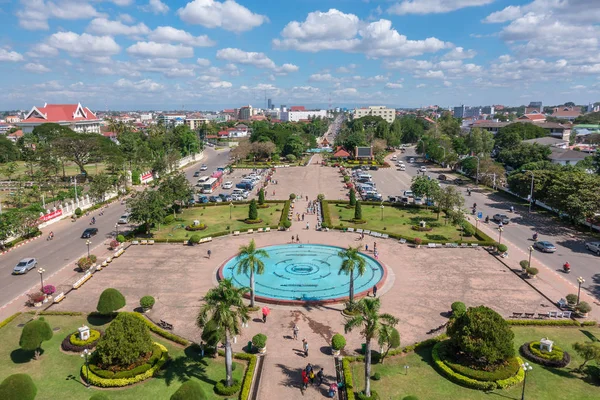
[(214, 54)]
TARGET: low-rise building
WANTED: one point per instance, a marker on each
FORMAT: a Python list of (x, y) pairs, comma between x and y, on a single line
[(296, 116), (566, 113), (12, 119), (566, 156), (549, 141), (171, 119), (556, 130), (196, 123), (75, 116), (389, 114)]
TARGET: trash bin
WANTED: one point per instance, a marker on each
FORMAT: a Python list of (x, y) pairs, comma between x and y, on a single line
[(249, 347), (364, 348)]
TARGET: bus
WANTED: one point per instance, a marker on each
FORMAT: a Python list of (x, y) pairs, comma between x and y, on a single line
[(210, 185), (201, 180)]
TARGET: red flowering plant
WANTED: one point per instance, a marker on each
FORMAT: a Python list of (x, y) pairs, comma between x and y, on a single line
[(48, 290)]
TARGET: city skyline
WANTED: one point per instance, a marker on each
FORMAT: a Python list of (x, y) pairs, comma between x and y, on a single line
[(210, 55)]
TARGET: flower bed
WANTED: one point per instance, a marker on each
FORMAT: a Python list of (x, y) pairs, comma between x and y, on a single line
[(194, 228), (74, 344), (558, 358)]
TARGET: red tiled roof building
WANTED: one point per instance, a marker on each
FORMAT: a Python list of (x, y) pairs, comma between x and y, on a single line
[(74, 116)]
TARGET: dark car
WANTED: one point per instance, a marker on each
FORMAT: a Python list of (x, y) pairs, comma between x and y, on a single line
[(203, 199), (373, 167), (213, 199), (442, 177), (89, 232), (544, 246), (196, 174), (459, 181), (501, 218), (356, 167), (223, 196), (192, 201)]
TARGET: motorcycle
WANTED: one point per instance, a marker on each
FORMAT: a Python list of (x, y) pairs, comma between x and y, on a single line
[(566, 267), (487, 219), (535, 237)]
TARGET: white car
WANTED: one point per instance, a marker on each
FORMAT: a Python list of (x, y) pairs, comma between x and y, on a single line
[(227, 185), (408, 193), (394, 157), (423, 169), (402, 167), (124, 219), (203, 167), (594, 247), (237, 197), (412, 160)]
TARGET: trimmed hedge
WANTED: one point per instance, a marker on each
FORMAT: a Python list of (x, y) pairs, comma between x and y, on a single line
[(189, 390), (326, 214), (223, 390), (348, 380), (530, 352), (374, 396), (462, 380), (161, 332), (67, 345), (69, 313), (94, 336), (248, 375), (121, 382), (284, 213), (544, 322), (9, 320)]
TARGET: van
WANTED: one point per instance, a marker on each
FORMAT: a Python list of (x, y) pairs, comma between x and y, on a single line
[(394, 157), (238, 191), (364, 176), (408, 193)]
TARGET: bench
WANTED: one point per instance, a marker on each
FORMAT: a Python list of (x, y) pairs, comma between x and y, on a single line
[(135, 242), (165, 325), (402, 241), (567, 314), (350, 229), (259, 230), (236, 233), (59, 297), (464, 245), (144, 242), (474, 244), (385, 236), (150, 241), (250, 230), (529, 315), (432, 245), (267, 229), (517, 315), (366, 232), (553, 314), (359, 230), (543, 315)]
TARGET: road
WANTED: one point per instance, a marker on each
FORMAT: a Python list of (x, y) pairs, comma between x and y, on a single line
[(67, 245), (518, 233)]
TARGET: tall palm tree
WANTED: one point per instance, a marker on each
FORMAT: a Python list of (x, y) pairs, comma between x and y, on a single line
[(249, 259), (224, 307), (372, 324), (351, 261)]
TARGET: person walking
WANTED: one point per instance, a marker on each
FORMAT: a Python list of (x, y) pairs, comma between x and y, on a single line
[(304, 380), (305, 347), (311, 376), (375, 246), (295, 331), (302, 216), (209, 253), (366, 247), (292, 238), (374, 290), (320, 376), (307, 226), (297, 239)]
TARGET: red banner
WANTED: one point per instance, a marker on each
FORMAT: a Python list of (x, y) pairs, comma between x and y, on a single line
[(52, 215), (146, 176)]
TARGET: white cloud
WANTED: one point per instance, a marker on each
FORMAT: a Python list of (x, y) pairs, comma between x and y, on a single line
[(433, 6), (258, 60), (287, 68), (346, 92), (36, 68), (343, 70), (7, 55), (335, 30), (122, 3), (126, 18), (447, 83), (408, 64), (166, 34), (203, 62), (179, 72), (432, 74), (321, 78), (227, 15), (391, 85), (42, 50), (103, 26), (220, 84), (160, 50), (84, 44), (507, 14), (144, 85), (459, 53), (578, 87), (421, 85), (156, 7), (34, 14)]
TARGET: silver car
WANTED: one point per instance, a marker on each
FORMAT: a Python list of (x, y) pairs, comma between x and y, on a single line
[(24, 266), (594, 247)]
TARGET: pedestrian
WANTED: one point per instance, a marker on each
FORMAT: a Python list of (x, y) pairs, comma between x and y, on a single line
[(273, 193), (362, 235), (307, 226), (320, 376), (264, 317), (305, 347), (304, 380), (295, 331), (209, 253), (201, 349), (297, 239), (302, 216), (376, 255), (366, 247), (374, 246), (292, 238), (311, 375), (308, 368), (374, 290), (306, 198)]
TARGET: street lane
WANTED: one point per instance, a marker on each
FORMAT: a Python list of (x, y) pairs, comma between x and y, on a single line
[(67, 246)]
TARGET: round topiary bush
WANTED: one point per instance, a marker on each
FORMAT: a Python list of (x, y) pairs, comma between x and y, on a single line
[(147, 302), (458, 308), (532, 271), (120, 238), (194, 239), (189, 390), (127, 339), (292, 196), (78, 212), (286, 223), (583, 308), (194, 228), (338, 342), (571, 299), (223, 390), (259, 340), (524, 264), (18, 387), (99, 396), (169, 219), (33, 334), (362, 396), (110, 301), (376, 376), (502, 248)]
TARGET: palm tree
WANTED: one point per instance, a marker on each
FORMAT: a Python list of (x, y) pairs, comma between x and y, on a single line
[(249, 259), (372, 324), (351, 261), (224, 307)]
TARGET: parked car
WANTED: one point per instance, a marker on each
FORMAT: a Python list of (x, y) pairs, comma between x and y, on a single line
[(459, 181), (404, 200), (418, 201), (203, 199), (228, 199), (237, 197), (501, 218), (245, 185), (89, 232), (196, 174), (412, 160), (356, 168), (227, 185), (401, 167), (203, 167), (373, 167), (393, 199), (442, 177), (594, 247), (394, 157), (213, 199), (123, 219), (423, 169), (192, 201), (222, 196), (544, 246), (408, 193), (24, 265)]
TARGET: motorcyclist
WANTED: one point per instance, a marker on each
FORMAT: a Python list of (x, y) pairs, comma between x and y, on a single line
[(567, 267), (93, 220), (512, 209), (474, 205), (535, 236), (487, 219)]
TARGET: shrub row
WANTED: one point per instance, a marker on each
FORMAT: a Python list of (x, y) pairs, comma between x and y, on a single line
[(549, 322), (161, 332), (326, 214), (9, 320), (473, 383), (538, 357), (284, 213), (120, 382), (130, 373), (69, 313), (407, 349), (348, 380), (248, 375), (223, 390)]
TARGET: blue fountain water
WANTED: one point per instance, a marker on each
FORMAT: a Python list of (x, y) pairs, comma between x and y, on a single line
[(304, 272)]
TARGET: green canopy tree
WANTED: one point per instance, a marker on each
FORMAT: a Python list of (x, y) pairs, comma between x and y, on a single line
[(448, 199), (352, 197), (357, 211), (250, 260), (147, 207), (175, 189), (389, 338), (80, 148), (127, 338), (33, 334), (18, 387), (224, 305), (371, 323), (100, 185), (110, 301), (261, 196), (253, 210), (589, 351), (422, 186), (352, 262)]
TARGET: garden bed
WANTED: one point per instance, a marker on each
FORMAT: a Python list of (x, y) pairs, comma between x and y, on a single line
[(556, 359)]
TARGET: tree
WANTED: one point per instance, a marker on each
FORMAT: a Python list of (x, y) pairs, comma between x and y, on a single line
[(10, 169), (252, 210), (352, 261), (224, 306), (8, 151), (510, 136), (371, 324), (261, 196), (189, 390), (352, 197), (574, 193), (524, 153), (389, 338), (110, 301), (589, 351), (175, 189), (482, 335), (480, 142), (127, 338), (596, 161), (448, 199), (80, 148), (422, 186), (357, 211), (101, 184), (18, 387), (250, 261), (147, 207), (33, 334)]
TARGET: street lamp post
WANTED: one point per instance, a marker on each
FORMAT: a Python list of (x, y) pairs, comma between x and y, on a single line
[(117, 229), (406, 367), (230, 207), (88, 242), (530, 251), (41, 272), (580, 281), (500, 229), (86, 354), (526, 368), (382, 207), (530, 190), (476, 225)]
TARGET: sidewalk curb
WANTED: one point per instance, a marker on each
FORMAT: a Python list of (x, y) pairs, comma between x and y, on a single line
[(21, 244)]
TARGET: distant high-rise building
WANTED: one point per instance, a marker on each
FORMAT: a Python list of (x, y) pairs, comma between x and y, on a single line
[(269, 104), (389, 114), (488, 110), (467, 112), (245, 112), (534, 107)]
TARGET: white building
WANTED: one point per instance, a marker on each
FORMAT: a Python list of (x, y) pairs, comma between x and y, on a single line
[(74, 116), (295, 116), (146, 117), (389, 114), (171, 119)]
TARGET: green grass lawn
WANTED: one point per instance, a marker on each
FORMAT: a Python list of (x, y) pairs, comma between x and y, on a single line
[(217, 219), (543, 383), (56, 374), (398, 221), (70, 169)]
